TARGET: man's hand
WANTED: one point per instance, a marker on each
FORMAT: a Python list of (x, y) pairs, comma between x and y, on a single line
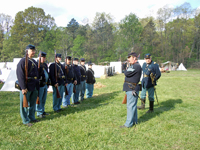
[(24, 91), (134, 93), (66, 84), (56, 85), (75, 82)]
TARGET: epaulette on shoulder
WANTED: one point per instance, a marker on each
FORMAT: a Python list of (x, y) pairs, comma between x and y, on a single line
[(154, 62)]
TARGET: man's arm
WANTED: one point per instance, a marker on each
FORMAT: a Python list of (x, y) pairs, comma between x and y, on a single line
[(52, 74), (20, 73)]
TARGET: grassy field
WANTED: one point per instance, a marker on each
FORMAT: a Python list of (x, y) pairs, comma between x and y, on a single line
[(94, 124)]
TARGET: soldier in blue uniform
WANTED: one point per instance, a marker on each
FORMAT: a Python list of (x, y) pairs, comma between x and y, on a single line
[(150, 68), (83, 78), (44, 83), (31, 89), (75, 96), (131, 87), (61, 82), (71, 80), (90, 80)]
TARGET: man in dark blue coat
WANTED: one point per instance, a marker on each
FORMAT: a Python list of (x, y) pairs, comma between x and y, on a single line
[(60, 83), (71, 80), (83, 78), (90, 80), (132, 77), (44, 83), (150, 68), (31, 88), (75, 96)]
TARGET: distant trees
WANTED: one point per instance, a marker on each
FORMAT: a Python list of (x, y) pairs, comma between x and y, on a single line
[(173, 35), (29, 26), (128, 35)]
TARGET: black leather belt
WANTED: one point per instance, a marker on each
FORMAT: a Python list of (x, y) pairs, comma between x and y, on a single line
[(130, 83), (29, 78)]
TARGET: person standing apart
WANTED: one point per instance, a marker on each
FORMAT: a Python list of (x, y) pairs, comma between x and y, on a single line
[(60, 83), (83, 78), (149, 68), (30, 89), (131, 87), (44, 83), (90, 80), (75, 96), (71, 80)]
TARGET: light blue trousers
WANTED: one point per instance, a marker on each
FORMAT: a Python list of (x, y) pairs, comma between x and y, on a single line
[(66, 98), (28, 114), (57, 102), (82, 90), (131, 109), (89, 90), (75, 96), (42, 97), (150, 93)]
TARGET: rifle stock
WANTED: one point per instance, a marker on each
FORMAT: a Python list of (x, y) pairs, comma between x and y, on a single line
[(74, 89), (25, 102), (57, 93), (125, 99), (56, 76)]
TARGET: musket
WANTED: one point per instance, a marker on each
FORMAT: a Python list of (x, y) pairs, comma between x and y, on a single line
[(66, 71), (74, 88), (125, 99), (153, 82), (39, 62), (25, 102), (56, 76)]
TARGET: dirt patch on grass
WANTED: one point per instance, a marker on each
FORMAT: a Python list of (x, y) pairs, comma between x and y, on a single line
[(98, 85)]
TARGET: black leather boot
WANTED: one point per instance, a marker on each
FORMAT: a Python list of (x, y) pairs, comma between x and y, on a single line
[(151, 104)]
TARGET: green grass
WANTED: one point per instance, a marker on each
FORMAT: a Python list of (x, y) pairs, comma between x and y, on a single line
[(94, 124)]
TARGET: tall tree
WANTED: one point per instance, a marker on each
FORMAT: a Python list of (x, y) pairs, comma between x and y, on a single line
[(6, 22), (103, 34), (72, 27), (128, 34), (30, 26)]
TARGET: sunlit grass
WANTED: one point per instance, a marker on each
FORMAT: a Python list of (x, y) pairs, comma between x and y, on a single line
[(94, 124)]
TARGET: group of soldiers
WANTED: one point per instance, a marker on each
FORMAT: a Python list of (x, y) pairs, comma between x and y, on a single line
[(151, 73), (68, 80)]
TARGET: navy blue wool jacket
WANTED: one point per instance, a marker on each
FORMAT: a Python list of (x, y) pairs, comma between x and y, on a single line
[(132, 75), (33, 81), (61, 78), (77, 73), (83, 72), (71, 76)]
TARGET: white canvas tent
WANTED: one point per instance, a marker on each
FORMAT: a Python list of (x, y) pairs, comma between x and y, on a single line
[(169, 66), (117, 65), (9, 85), (181, 67), (10, 76)]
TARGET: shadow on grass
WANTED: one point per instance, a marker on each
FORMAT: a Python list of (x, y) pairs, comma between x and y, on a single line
[(89, 103), (164, 106)]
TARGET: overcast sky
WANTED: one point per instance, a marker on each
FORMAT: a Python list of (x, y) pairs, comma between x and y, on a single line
[(64, 10)]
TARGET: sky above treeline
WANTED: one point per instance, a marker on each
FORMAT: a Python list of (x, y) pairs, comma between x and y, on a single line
[(84, 11)]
